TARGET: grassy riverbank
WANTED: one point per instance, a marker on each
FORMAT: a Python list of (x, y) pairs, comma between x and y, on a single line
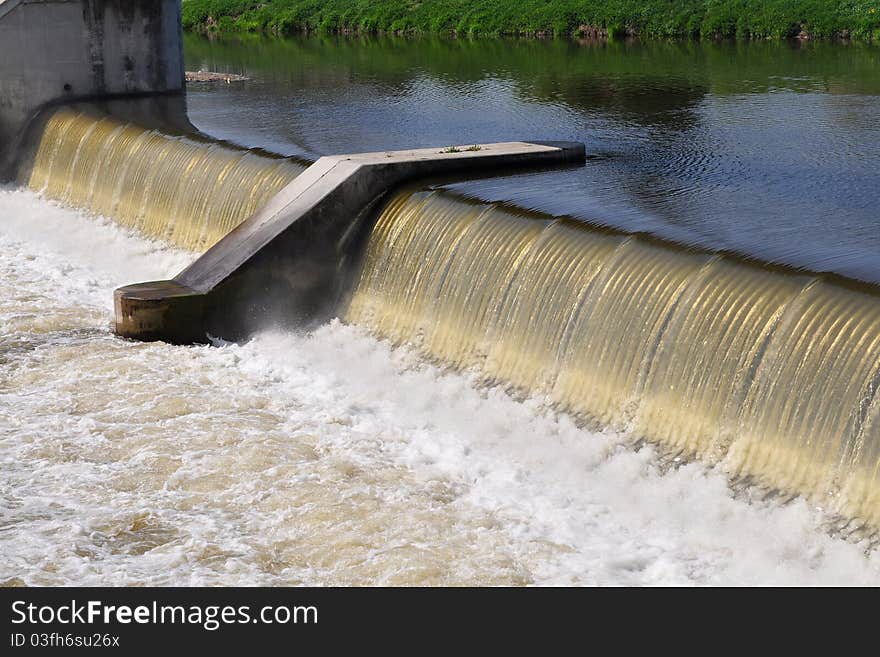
[(745, 19)]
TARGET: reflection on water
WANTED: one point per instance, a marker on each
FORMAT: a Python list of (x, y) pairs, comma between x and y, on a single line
[(771, 150)]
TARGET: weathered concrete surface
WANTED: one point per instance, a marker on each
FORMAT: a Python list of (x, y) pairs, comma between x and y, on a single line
[(291, 263), (153, 311), (58, 51)]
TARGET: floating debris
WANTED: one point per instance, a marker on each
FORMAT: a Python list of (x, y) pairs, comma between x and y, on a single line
[(212, 76)]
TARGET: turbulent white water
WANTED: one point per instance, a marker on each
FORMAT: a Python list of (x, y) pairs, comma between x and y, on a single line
[(324, 459)]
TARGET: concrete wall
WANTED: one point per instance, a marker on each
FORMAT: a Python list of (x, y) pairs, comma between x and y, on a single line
[(65, 50), (292, 263)]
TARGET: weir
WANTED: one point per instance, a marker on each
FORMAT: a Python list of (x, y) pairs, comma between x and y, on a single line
[(291, 263), (769, 372), (182, 189), (280, 245)]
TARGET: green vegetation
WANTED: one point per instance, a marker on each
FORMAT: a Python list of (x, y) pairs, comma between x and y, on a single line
[(746, 19)]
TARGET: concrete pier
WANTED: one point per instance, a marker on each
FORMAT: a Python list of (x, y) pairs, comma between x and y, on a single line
[(291, 263), (60, 51)]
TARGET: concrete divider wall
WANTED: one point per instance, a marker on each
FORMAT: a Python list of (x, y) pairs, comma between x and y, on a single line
[(292, 262), (56, 51)]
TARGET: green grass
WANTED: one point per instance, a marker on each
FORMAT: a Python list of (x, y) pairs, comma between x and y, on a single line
[(745, 19)]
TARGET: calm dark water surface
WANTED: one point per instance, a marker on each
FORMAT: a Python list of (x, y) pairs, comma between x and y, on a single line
[(769, 150)]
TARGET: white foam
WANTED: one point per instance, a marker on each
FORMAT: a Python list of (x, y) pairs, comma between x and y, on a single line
[(91, 252), (330, 458)]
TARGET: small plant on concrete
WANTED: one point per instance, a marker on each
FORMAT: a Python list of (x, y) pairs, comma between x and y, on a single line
[(475, 147), (451, 149)]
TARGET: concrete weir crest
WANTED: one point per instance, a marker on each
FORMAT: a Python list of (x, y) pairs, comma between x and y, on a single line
[(290, 264)]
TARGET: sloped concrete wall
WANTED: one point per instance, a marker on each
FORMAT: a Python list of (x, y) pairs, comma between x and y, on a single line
[(54, 51), (291, 263)]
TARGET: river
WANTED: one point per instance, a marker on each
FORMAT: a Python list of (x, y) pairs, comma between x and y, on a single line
[(336, 458)]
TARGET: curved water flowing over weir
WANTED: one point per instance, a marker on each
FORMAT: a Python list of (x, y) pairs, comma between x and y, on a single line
[(772, 373), (768, 371), (187, 192)]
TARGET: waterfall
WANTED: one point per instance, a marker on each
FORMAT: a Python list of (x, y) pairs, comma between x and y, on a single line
[(769, 372)]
